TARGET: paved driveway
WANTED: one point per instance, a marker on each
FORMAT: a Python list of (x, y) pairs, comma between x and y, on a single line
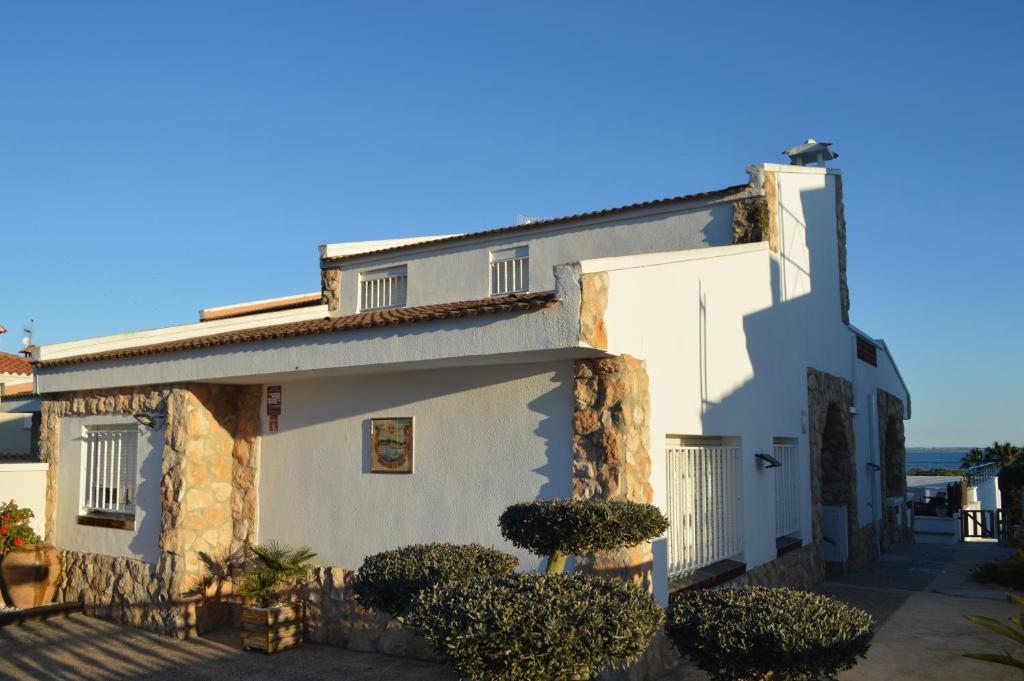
[(919, 595), (80, 647)]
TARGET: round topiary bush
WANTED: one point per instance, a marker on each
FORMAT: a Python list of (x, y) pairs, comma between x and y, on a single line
[(527, 627), (389, 580), (756, 632), (571, 527)]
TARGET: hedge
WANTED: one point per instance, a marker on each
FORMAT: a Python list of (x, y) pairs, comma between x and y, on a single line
[(388, 581), (537, 627), (759, 632)]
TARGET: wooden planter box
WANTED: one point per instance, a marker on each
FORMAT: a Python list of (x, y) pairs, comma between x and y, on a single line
[(273, 629)]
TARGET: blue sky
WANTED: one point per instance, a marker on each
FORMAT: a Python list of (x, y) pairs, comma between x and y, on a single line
[(156, 158)]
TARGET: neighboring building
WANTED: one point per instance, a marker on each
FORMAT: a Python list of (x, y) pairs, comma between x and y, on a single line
[(22, 474), (672, 351), (15, 428)]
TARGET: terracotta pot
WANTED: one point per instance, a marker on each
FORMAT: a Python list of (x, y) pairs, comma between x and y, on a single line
[(30, 576)]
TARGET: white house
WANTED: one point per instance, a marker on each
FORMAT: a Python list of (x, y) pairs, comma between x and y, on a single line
[(694, 352)]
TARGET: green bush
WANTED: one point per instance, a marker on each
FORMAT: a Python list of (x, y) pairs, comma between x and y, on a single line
[(388, 581), (758, 632), (1007, 572), (527, 627), (572, 527)]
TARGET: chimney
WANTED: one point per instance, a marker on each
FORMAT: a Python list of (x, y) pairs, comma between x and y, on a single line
[(811, 153)]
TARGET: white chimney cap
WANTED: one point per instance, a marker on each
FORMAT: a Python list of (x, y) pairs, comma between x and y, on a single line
[(811, 152)]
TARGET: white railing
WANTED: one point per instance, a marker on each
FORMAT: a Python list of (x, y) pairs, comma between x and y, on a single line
[(705, 504), (510, 275), (380, 291), (787, 491), (109, 475)]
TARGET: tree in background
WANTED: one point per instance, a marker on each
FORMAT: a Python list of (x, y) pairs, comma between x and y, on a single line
[(1001, 454)]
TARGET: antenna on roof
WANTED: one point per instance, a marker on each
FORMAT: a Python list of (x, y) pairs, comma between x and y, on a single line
[(525, 219), (27, 340)]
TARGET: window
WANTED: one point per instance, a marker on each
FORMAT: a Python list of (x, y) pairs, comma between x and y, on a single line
[(510, 270), (108, 469), (381, 289), (866, 351)]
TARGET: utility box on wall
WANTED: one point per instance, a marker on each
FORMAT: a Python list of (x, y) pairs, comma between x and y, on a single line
[(835, 538)]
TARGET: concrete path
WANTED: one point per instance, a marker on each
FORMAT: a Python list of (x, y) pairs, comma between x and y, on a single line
[(80, 647), (911, 592), (918, 595)]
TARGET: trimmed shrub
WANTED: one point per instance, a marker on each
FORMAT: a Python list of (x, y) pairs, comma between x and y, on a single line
[(527, 627), (757, 632), (388, 581), (1007, 572), (572, 527)]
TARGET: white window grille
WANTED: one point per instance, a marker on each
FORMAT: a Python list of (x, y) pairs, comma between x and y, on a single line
[(381, 289), (510, 270), (705, 505), (787, 489), (109, 465)]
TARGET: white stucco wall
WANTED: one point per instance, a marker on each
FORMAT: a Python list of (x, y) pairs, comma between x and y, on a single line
[(25, 483), (728, 335), (142, 542), (485, 437), (461, 270), (720, 364)]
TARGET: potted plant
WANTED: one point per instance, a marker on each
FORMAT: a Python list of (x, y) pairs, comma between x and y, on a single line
[(29, 568), (272, 580)]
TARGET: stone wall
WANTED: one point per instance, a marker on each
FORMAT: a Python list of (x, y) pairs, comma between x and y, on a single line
[(207, 498), (335, 618), (799, 569), (125, 590), (611, 450)]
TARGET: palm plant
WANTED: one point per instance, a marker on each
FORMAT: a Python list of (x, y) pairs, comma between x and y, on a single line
[(1001, 453), (273, 567), (1015, 633)]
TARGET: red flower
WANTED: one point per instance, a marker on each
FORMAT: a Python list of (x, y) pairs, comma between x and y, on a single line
[(18, 541), (5, 517), (3, 529)]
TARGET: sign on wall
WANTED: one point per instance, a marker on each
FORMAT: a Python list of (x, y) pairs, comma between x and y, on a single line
[(391, 445), (273, 405)]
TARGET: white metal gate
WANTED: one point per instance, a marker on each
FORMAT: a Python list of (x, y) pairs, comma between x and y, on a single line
[(705, 486), (787, 491)]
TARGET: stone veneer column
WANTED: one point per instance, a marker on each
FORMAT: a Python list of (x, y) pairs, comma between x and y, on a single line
[(330, 288), (611, 450), (825, 392), (893, 480)]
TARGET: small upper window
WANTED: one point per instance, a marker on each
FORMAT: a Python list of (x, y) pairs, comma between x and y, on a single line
[(380, 289), (510, 270), (109, 465)]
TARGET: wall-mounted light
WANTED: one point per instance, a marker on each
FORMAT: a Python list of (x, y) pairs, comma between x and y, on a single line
[(150, 419), (767, 461), (873, 467)]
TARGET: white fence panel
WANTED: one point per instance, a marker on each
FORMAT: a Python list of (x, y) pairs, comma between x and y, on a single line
[(705, 502)]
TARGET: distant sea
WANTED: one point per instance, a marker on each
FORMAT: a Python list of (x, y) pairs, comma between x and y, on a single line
[(935, 457)]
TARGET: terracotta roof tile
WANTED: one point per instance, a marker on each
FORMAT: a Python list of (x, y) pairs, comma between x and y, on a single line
[(14, 364), (524, 302), (718, 193)]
